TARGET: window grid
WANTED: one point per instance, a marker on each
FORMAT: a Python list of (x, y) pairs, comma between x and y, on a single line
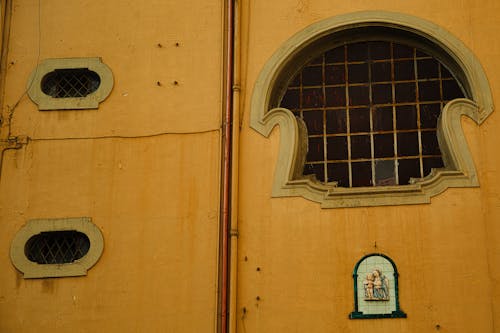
[(353, 73), (57, 247), (71, 82)]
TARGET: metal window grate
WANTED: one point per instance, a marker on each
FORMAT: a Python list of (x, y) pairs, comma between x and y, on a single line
[(57, 247), (371, 111), (73, 82)]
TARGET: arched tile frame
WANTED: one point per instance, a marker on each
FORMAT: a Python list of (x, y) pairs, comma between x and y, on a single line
[(373, 309)]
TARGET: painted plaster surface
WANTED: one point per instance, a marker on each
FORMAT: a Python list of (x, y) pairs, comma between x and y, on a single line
[(145, 167), (306, 254)]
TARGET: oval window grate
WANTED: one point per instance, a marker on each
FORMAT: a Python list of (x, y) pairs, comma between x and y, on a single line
[(73, 82), (57, 247)]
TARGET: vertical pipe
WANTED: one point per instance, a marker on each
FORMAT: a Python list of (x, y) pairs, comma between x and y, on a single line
[(226, 176), (236, 88), (5, 18)]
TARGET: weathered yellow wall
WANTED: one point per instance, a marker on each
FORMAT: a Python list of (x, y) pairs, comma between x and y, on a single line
[(447, 252), (155, 199)]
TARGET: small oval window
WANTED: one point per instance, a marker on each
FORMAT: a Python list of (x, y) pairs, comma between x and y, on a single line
[(72, 82), (57, 247)]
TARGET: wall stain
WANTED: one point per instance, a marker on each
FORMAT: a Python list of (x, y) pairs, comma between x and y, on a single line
[(302, 6), (19, 279), (48, 286)]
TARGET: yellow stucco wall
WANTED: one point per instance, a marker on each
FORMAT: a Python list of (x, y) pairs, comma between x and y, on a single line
[(446, 252), (155, 196)]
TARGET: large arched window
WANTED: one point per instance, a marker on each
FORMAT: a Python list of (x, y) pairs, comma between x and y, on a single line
[(371, 111), (369, 108)]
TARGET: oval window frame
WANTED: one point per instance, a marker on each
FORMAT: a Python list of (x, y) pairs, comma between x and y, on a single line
[(76, 268), (91, 101)]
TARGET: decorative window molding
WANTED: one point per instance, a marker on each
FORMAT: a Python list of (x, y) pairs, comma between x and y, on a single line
[(458, 170), (376, 292), (70, 83), (34, 249)]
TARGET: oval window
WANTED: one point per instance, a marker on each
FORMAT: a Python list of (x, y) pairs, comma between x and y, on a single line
[(57, 247), (71, 82)]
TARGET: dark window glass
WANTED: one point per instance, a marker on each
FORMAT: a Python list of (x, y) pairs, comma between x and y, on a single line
[(382, 93), (430, 144), (406, 117), (361, 174), (451, 90), (356, 99), (428, 69), (405, 92), (315, 149), (408, 169), (429, 114), (336, 148), (358, 73), (360, 120), (335, 74), (312, 97), (383, 145), (380, 50), (432, 162), (312, 76), (335, 96), (57, 247), (335, 55), (336, 121), (74, 82), (360, 146), (338, 172), (404, 70), (408, 144), (357, 52), (382, 118), (402, 51), (381, 72), (291, 100), (315, 169), (314, 119), (359, 95), (429, 91)]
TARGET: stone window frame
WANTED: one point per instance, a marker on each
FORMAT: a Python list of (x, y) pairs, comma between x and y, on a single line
[(459, 170), (76, 268), (91, 101), (397, 313)]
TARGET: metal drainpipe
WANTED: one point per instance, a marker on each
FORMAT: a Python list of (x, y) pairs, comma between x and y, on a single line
[(5, 141), (227, 149), (236, 88)]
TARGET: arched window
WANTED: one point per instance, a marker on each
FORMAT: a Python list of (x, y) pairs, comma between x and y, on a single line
[(369, 108), (376, 293)]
